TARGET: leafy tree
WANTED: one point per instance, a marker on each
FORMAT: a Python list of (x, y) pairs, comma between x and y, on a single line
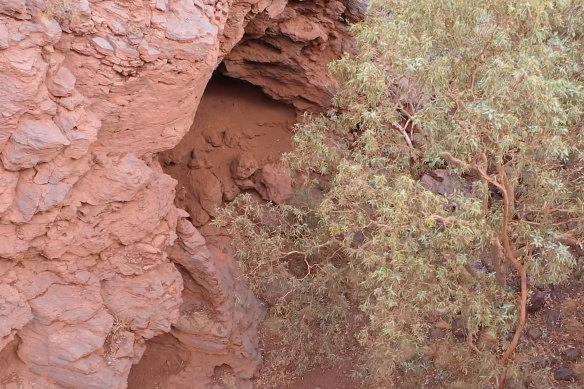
[(492, 91)]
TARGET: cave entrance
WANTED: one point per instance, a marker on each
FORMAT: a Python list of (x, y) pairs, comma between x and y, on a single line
[(235, 124), (237, 132)]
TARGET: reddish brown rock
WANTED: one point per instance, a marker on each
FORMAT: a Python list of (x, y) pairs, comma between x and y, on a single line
[(244, 166), (8, 182), (207, 189), (14, 313), (89, 95), (33, 142), (441, 182), (61, 83), (300, 36), (132, 297), (222, 326), (274, 183)]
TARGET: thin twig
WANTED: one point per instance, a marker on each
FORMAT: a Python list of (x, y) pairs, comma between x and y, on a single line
[(405, 135)]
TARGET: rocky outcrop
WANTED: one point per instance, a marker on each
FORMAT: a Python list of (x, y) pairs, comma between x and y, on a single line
[(90, 90), (286, 49), (219, 315)]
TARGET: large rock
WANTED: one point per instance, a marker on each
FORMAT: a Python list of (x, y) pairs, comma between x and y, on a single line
[(186, 22), (287, 49), (61, 83), (33, 142), (274, 183), (90, 92), (8, 182), (14, 313), (66, 337), (132, 297), (217, 329), (207, 189)]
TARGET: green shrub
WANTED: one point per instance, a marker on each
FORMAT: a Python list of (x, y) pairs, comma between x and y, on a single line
[(63, 11), (491, 90)]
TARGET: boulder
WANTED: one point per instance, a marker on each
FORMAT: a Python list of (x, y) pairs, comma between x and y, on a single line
[(274, 183)]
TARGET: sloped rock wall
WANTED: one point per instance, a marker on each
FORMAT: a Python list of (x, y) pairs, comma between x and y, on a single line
[(287, 48), (90, 90)]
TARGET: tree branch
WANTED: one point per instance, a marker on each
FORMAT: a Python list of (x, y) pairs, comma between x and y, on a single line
[(507, 191)]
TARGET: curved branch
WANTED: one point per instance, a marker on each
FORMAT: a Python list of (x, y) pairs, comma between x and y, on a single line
[(507, 193), (510, 256)]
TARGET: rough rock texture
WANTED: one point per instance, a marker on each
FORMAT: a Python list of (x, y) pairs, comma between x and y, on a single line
[(219, 315), (274, 183), (287, 48), (89, 91), (223, 155)]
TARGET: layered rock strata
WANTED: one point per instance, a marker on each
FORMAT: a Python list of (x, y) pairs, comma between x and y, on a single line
[(95, 258)]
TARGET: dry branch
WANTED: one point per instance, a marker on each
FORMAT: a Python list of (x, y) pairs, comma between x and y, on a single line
[(506, 190)]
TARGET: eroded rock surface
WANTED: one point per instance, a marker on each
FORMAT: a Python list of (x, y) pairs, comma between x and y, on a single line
[(286, 49), (89, 92)]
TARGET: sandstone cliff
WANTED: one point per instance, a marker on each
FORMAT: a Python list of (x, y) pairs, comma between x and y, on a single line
[(95, 258)]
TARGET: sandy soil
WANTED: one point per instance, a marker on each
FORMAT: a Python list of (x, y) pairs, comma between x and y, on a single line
[(233, 119)]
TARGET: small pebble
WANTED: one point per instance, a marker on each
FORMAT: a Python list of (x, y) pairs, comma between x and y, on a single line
[(536, 302), (436, 333), (565, 373), (573, 354), (553, 318), (542, 363), (534, 333), (458, 329)]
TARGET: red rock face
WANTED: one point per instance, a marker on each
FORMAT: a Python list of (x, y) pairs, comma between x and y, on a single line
[(287, 48), (89, 92)]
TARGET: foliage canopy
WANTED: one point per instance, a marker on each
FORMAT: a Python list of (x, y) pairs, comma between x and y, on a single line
[(493, 92)]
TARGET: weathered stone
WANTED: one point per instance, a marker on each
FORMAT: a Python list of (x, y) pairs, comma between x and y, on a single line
[(207, 188), (67, 334), (573, 354), (131, 298), (124, 50), (565, 373), (4, 38), (302, 29), (81, 128), (148, 53), (161, 5), (10, 243), (47, 188), (8, 182), (536, 302), (441, 182), (84, 7), (310, 38), (534, 333), (14, 313), (221, 327), (61, 83), (120, 181), (244, 166), (15, 8), (34, 141), (102, 45), (274, 183), (186, 22), (276, 7)]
